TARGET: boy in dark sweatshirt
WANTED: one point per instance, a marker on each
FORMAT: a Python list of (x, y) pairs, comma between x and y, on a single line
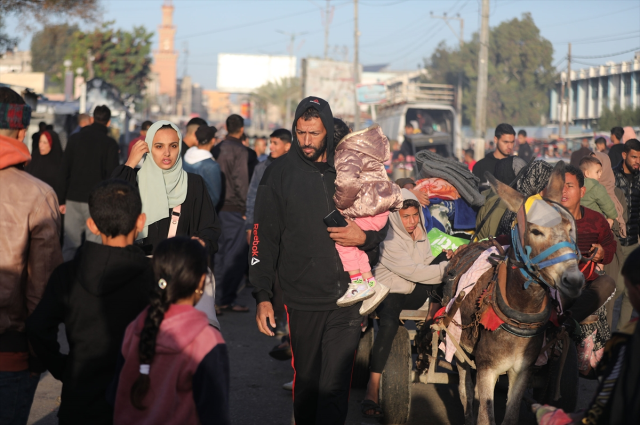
[(96, 295)]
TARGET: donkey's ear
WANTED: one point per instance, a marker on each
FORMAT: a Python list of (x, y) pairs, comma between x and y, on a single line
[(510, 196), (556, 183)]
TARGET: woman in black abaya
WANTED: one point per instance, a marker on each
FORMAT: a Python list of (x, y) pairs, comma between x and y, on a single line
[(46, 159)]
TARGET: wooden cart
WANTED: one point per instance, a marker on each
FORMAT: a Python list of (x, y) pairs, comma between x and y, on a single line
[(399, 373)]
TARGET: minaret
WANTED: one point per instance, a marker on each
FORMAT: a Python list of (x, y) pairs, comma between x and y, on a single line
[(165, 59)]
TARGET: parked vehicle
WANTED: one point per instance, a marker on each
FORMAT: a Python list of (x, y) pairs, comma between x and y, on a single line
[(428, 109)]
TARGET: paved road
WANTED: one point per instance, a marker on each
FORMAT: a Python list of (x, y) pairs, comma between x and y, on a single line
[(257, 396)]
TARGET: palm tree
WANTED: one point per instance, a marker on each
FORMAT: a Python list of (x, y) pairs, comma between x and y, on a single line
[(278, 94)]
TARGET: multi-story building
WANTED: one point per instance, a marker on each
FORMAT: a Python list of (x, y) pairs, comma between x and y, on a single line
[(594, 89), (15, 61)]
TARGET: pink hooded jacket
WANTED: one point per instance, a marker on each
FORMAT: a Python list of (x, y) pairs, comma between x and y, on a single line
[(189, 373), (363, 188)]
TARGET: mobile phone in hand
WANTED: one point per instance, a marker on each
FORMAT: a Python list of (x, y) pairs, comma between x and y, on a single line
[(335, 219)]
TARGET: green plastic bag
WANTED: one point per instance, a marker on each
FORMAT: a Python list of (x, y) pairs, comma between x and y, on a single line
[(440, 241)]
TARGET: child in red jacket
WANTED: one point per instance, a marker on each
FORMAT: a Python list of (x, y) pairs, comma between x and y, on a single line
[(175, 366)]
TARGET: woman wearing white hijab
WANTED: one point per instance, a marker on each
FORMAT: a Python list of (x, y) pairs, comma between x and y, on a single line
[(164, 185)]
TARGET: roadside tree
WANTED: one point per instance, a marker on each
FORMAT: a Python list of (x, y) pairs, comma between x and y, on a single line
[(121, 58), (49, 47), (520, 72), (618, 117)]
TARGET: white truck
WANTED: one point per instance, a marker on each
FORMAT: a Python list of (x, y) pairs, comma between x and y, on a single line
[(429, 110)]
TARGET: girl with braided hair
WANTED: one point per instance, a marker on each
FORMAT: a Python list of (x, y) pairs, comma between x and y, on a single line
[(174, 365)]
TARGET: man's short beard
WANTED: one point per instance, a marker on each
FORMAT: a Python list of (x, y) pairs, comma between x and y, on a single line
[(631, 169), (500, 150), (317, 152)]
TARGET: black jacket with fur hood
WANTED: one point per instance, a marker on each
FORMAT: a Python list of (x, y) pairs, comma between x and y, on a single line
[(289, 235)]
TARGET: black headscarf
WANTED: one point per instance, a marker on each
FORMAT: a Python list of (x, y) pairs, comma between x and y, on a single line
[(531, 180), (46, 167)]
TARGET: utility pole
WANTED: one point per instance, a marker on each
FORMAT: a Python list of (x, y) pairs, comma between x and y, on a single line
[(90, 59), (568, 90), (483, 76), (356, 69), (327, 21), (561, 120), (457, 145), (185, 49)]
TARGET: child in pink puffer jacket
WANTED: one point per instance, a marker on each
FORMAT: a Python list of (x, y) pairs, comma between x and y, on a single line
[(364, 194)]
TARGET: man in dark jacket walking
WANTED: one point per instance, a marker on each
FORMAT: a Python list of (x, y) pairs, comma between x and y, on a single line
[(615, 153), (584, 151), (96, 296), (627, 175), (504, 139), (231, 259), (289, 236), (90, 157), (524, 149)]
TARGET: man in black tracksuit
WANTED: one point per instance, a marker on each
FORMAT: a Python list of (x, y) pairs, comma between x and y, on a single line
[(289, 236)]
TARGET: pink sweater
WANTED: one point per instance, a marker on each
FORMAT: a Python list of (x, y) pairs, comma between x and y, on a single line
[(189, 373)]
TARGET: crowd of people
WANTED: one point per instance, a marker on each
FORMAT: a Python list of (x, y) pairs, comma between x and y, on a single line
[(152, 250)]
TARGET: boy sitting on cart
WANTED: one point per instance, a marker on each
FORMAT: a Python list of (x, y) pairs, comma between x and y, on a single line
[(408, 268)]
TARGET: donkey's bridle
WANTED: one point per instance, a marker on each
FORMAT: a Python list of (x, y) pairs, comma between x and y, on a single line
[(531, 267)]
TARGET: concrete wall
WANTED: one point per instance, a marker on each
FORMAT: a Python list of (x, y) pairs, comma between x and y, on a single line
[(33, 80)]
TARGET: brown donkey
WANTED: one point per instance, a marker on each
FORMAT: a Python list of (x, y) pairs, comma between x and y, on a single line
[(524, 298)]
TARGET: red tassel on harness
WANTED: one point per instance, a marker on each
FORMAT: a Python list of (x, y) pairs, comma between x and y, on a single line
[(490, 320), (440, 313)]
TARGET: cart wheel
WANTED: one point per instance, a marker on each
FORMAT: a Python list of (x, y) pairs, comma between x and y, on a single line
[(568, 383), (395, 385), (363, 355)]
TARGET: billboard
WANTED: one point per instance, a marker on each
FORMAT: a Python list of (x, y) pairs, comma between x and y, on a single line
[(332, 81), (245, 73), (371, 94)]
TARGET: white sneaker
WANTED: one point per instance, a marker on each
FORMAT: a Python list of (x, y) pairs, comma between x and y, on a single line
[(358, 291), (288, 386), (372, 303)]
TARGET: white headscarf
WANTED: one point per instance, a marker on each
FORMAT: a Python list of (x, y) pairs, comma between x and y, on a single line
[(160, 189)]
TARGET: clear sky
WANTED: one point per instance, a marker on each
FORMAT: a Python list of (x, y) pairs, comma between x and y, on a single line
[(398, 32)]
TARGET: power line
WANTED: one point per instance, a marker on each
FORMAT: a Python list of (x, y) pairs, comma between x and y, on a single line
[(587, 39), (587, 63), (559, 61), (434, 29), (608, 56), (375, 4), (273, 43), (407, 28), (610, 40), (588, 19), (235, 27)]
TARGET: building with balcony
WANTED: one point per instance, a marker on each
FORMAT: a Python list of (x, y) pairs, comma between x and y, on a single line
[(594, 89)]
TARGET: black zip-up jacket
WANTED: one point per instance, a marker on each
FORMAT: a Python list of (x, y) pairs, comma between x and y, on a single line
[(289, 234), (96, 296), (89, 158), (631, 191)]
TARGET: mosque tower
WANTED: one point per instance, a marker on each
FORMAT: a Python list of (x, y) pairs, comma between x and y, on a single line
[(165, 59)]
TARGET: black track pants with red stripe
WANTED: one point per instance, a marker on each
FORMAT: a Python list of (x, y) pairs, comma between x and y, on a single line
[(323, 344)]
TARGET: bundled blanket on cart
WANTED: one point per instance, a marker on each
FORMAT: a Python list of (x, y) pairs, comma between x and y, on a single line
[(433, 165)]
